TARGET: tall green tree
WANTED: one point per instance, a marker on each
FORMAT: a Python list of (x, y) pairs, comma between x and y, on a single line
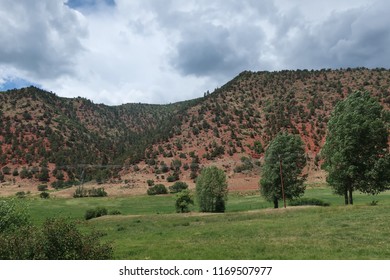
[(289, 151), (356, 151), (211, 190)]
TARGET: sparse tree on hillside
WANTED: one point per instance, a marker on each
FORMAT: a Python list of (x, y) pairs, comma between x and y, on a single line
[(356, 150), (211, 190), (288, 150)]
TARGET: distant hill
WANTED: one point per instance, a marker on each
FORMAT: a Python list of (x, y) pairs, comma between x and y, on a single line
[(39, 129)]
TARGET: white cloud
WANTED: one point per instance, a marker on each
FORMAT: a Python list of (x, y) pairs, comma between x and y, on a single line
[(164, 51), (40, 39)]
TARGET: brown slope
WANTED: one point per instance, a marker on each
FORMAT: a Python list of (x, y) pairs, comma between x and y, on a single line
[(254, 107)]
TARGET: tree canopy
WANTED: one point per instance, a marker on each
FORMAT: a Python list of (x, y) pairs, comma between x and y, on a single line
[(211, 190), (356, 150), (286, 150)]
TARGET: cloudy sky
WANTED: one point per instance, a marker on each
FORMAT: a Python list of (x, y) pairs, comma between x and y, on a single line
[(161, 51)]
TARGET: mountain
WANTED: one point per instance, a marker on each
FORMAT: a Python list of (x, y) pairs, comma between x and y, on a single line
[(238, 120), (38, 128), (231, 126)]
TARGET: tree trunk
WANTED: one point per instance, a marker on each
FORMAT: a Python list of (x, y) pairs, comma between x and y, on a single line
[(346, 196), (350, 196), (276, 203)]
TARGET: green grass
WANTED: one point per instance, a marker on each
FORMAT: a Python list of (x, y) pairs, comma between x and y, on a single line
[(250, 229)]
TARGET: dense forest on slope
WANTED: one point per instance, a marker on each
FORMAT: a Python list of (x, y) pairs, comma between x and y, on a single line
[(39, 129)]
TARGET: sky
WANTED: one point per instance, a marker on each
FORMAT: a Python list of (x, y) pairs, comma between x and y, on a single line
[(154, 51)]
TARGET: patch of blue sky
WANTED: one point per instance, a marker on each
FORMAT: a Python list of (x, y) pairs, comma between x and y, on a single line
[(76, 4), (16, 83)]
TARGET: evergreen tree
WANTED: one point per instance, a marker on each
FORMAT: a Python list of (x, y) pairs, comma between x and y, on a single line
[(356, 150)]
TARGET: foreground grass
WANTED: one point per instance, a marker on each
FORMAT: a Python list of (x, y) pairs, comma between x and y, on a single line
[(306, 233), (250, 229)]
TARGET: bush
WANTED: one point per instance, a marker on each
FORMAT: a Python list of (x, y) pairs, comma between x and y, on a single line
[(15, 172), (150, 183), (13, 215), (44, 195), (183, 201), (42, 188), (57, 239), (99, 192), (20, 194), (115, 212), (157, 189), (308, 201), (95, 213), (24, 173), (171, 178), (81, 192), (6, 170), (178, 187)]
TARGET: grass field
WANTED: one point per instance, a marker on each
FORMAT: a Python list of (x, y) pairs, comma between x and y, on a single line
[(149, 228)]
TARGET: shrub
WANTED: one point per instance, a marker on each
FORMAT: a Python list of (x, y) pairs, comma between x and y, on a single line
[(13, 215), (42, 188), (99, 192), (24, 173), (171, 178), (6, 170), (178, 187), (81, 192), (44, 195), (115, 212), (157, 189), (20, 194), (15, 172), (150, 183), (57, 239), (308, 201), (183, 201), (95, 213)]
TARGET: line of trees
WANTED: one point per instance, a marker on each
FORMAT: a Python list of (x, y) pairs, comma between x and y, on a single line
[(356, 153)]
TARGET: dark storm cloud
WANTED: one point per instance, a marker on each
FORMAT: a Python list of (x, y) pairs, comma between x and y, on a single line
[(39, 37), (217, 52), (353, 38), (216, 38)]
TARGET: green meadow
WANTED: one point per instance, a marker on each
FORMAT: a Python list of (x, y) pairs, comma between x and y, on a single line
[(149, 227)]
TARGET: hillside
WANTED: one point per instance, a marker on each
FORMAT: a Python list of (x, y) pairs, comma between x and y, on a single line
[(230, 127), (233, 125), (40, 129)]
